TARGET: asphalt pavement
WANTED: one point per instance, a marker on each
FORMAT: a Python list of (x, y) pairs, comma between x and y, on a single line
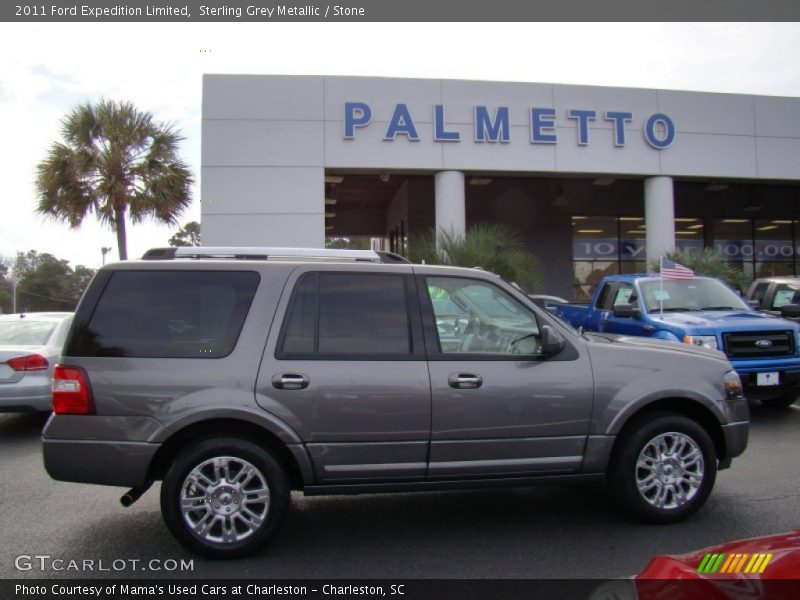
[(539, 532)]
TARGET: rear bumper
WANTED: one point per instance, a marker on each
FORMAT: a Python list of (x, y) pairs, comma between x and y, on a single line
[(15, 397), (101, 462), (736, 435)]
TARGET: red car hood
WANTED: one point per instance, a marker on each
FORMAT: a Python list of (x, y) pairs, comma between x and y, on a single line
[(784, 562)]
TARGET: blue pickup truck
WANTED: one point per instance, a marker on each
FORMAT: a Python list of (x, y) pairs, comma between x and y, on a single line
[(764, 350)]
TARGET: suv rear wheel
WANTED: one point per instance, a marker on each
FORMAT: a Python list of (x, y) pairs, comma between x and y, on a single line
[(664, 469), (224, 497)]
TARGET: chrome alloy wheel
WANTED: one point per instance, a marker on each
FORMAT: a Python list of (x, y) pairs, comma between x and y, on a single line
[(224, 500), (670, 470)]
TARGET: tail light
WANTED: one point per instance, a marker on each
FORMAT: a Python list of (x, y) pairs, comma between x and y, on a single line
[(72, 394), (32, 362)]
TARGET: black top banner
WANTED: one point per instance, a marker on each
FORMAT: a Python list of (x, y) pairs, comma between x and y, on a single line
[(400, 10)]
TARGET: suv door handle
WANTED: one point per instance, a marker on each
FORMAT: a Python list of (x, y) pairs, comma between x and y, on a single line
[(290, 381), (465, 381)]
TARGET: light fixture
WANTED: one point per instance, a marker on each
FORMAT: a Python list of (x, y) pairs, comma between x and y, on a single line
[(334, 178), (781, 222), (685, 220), (698, 226), (480, 180), (604, 181), (328, 227), (735, 220), (636, 233), (330, 201), (590, 230), (686, 232), (766, 228), (631, 218), (579, 218), (330, 215), (752, 208), (717, 187), (384, 177)]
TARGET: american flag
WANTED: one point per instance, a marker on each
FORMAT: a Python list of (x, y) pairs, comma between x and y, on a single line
[(672, 270)]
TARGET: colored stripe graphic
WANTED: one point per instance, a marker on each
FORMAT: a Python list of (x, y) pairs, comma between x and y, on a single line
[(735, 563)]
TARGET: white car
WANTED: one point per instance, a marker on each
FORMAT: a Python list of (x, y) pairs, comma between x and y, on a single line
[(30, 344)]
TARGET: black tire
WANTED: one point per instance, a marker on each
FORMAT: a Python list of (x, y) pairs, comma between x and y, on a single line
[(247, 534), (783, 401), (624, 475)]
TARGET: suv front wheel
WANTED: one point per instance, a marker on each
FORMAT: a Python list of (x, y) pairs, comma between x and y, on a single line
[(664, 468), (224, 497)]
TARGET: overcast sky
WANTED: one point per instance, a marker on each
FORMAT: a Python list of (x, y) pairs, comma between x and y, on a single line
[(47, 69)]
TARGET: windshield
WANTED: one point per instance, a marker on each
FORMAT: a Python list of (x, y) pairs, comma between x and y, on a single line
[(25, 333), (689, 295)]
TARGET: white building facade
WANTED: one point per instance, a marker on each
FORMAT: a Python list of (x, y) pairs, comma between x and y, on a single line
[(595, 180)]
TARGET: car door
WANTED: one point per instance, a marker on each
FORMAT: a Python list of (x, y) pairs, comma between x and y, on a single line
[(499, 407), (347, 371), (625, 293)]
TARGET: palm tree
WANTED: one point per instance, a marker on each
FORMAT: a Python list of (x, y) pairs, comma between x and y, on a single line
[(113, 160), (491, 246)]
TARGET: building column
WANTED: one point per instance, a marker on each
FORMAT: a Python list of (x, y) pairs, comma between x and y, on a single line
[(450, 201), (659, 216)]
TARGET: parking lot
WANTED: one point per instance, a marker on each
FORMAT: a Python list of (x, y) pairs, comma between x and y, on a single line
[(558, 532)]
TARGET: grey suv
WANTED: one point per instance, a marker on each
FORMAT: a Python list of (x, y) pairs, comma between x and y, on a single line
[(237, 375)]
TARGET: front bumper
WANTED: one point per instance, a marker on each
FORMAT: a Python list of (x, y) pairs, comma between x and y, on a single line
[(735, 435), (101, 462)]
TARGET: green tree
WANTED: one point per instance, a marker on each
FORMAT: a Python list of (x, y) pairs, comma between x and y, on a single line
[(490, 246), (6, 288), (116, 162), (48, 283), (188, 235), (710, 263)]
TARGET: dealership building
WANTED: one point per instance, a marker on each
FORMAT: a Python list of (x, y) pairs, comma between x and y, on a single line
[(596, 180)]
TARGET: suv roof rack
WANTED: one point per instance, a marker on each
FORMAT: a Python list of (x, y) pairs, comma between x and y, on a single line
[(258, 253)]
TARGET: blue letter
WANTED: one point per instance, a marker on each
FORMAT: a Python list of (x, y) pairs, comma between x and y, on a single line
[(439, 133), (492, 130), (583, 116), (356, 114), (650, 131), (401, 124), (619, 118), (541, 119)]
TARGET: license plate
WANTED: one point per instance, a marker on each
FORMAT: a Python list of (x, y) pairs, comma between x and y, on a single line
[(764, 379)]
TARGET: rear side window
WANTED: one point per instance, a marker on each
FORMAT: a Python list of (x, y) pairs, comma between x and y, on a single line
[(169, 314), (337, 314)]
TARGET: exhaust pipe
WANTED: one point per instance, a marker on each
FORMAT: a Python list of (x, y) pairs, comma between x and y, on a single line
[(133, 494)]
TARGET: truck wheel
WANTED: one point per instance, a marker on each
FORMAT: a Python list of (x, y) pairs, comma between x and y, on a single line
[(664, 468), (224, 497), (784, 401)]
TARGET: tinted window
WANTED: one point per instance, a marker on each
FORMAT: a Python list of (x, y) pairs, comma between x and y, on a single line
[(759, 292), (300, 327), (348, 314), (169, 314), (603, 296), (488, 320)]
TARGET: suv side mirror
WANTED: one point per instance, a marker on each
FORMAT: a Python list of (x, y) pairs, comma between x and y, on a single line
[(754, 304), (626, 311), (552, 341), (790, 311)]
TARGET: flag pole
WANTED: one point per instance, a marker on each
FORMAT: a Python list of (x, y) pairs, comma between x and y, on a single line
[(661, 287)]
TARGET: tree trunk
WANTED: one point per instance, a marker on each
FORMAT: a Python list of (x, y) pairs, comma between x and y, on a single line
[(122, 238)]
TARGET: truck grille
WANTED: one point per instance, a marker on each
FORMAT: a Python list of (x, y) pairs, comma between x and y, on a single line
[(755, 344)]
